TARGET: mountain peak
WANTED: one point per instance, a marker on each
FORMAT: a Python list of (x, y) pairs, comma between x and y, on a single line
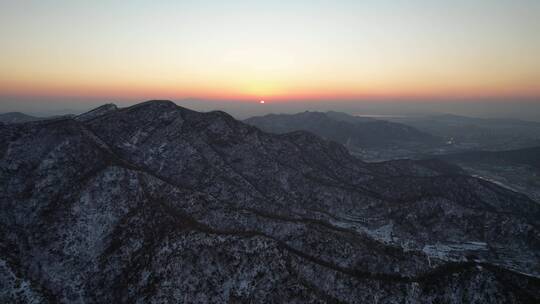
[(101, 110), (155, 103)]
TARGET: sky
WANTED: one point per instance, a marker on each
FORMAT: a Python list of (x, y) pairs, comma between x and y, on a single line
[(70, 55)]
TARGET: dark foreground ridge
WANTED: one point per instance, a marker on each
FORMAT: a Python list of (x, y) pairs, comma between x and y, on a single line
[(157, 203)]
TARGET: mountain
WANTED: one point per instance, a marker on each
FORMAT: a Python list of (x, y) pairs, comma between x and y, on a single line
[(361, 135), (99, 111), (340, 116), (156, 203), (16, 117), (368, 138)]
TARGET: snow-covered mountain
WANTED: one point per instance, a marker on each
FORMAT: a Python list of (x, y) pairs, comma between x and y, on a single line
[(156, 203)]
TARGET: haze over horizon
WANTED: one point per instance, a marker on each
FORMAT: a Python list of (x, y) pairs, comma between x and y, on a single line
[(351, 158), (478, 59), (524, 110)]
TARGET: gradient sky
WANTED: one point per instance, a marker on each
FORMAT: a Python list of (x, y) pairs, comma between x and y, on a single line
[(272, 50)]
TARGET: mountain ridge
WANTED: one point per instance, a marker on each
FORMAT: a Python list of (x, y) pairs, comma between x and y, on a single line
[(321, 123), (192, 190)]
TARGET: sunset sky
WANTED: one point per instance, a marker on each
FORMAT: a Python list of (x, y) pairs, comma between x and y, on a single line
[(273, 50)]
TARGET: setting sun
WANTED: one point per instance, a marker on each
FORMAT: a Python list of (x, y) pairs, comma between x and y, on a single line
[(240, 51), (270, 151)]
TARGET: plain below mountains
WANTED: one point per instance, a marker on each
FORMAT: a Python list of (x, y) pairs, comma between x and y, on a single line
[(156, 203), (477, 133), (527, 157), (518, 170)]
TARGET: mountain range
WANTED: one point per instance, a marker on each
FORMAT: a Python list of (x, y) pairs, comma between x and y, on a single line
[(157, 203), (16, 117), (361, 132)]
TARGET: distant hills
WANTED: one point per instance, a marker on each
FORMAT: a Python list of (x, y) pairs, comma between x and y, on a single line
[(16, 117), (352, 131)]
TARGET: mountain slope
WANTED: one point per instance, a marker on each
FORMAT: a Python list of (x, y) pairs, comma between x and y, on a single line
[(343, 128), (158, 203)]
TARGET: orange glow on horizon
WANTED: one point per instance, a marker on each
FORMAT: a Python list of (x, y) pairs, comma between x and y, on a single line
[(250, 94), (279, 52)]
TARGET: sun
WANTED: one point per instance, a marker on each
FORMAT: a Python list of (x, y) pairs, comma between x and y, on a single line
[(261, 102)]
